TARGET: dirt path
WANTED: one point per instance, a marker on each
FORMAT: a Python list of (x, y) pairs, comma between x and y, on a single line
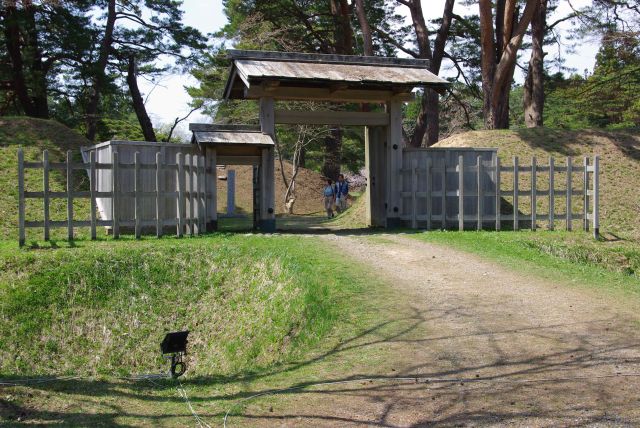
[(498, 348)]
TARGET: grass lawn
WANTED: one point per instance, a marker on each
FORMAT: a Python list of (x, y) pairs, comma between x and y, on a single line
[(263, 311), (574, 257)]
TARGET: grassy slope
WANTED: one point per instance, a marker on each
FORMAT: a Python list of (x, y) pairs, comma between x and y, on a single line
[(102, 308), (620, 165), (35, 135), (569, 257)]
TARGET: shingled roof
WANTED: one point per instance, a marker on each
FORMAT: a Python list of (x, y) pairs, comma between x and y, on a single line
[(256, 72)]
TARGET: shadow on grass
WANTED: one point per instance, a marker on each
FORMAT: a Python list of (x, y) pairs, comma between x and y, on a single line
[(465, 392)]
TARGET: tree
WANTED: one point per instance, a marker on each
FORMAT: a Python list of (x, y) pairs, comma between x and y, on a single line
[(40, 38), (128, 39), (427, 120), (499, 46), (533, 87)]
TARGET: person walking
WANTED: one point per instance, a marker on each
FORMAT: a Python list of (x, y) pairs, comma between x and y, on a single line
[(342, 193), (329, 197)]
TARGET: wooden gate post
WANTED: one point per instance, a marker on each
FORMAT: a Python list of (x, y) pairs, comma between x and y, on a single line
[(460, 193), (137, 195), (45, 192), (596, 197), (569, 208), (552, 202), (516, 224), (498, 194), (69, 196), (267, 221), (443, 226), (414, 189), (115, 188), (534, 193), (93, 184), (159, 195), (585, 194), (180, 199), (429, 191), (480, 195), (21, 226)]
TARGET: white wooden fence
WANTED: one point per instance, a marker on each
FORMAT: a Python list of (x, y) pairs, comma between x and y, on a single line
[(190, 194), (475, 191)]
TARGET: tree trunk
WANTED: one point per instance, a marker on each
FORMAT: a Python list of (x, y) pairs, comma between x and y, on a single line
[(428, 120), (302, 158), (497, 76), (365, 27), (534, 83), (99, 72), (12, 41), (332, 150), (38, 71), (138, 101)]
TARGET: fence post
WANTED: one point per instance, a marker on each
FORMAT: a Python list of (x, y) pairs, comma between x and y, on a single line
[(498, 194), (45, 192), (429, 187), (443, 226), (534, 193), (414, 189), (193, 195), (92, 191), (516, 225), (180, 202), (596, 197), (137, 195), (205, 196), (212, 209), (480, 195), (569, 209), (69, 197), (21, 231), (585, 194), (202, 196), (115, 184), (460, 192), (159, 195), (552, 201)]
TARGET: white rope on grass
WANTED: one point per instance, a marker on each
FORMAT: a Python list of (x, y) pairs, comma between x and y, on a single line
[(183, 394)]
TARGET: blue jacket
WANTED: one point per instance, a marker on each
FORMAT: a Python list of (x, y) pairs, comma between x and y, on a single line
[(342, 189)]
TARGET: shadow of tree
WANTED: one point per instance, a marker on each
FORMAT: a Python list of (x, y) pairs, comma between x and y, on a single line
[(451, 392)]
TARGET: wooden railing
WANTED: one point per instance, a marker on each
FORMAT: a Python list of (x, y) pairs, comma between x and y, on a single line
[(190, 195), (587, 195)]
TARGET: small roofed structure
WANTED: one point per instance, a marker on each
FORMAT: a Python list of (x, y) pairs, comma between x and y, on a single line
[(234, 144), (297, 76)]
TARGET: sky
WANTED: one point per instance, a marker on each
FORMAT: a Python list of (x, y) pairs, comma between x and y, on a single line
[(168, 99)]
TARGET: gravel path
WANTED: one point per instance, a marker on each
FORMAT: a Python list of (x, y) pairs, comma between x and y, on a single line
[(498, 347)]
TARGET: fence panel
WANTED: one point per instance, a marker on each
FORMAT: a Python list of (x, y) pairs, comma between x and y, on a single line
[(477, 187), (147, 192)]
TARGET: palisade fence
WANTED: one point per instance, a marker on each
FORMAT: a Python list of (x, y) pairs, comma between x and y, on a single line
[(488, 195), (176, 196)]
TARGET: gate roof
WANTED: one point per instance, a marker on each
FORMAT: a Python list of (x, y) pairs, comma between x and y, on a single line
[(284, 75)]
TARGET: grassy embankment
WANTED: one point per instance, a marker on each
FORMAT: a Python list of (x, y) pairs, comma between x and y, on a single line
[(571, 257), (264, 312), (103, 307)]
